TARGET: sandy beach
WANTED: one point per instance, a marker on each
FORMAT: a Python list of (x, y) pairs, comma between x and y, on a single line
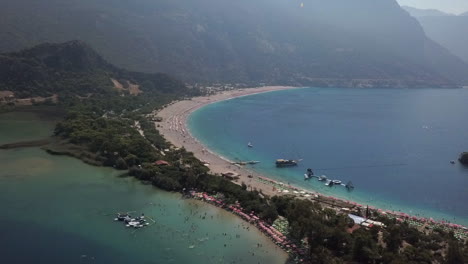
[(174, 129)]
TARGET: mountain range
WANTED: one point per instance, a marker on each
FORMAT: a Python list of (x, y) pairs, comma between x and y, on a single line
[(450, 31), (307, 42), (417, 12)]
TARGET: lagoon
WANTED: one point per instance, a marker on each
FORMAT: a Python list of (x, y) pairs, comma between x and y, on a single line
[(59, 210)]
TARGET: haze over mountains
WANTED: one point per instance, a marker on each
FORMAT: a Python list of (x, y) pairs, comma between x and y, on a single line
[(333, 42), (416, 12), (451, 31)]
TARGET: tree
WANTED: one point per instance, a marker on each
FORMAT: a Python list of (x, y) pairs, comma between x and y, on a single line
[(464, 158), (454, 254), (269, 214), (131, 160), (393, 238), (121, 164)]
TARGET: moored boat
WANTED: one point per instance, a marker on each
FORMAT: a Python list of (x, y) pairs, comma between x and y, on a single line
[(336, 181), (322, 178), (309, 174), (349, 185), (285, 163)]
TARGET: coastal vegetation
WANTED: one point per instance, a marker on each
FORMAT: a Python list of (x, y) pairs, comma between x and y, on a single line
[(463, 158), (114, 128)]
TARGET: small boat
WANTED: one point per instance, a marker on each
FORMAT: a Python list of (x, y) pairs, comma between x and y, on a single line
[(322, 178), (336, 182), (349, 185), (121, 216), (329, 183), (253, 162), (452, 162), (250, 145), (285, 163), (309, 174)]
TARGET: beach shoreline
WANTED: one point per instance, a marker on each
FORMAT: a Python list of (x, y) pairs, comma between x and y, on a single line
[(175, 129)]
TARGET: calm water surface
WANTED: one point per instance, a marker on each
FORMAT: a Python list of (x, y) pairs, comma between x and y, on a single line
[(395, 145), (60, 210)]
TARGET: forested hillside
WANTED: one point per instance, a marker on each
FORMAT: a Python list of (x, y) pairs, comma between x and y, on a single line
[(74, 68), (307, 42)]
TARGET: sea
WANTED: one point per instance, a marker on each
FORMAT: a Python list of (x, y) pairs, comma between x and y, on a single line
[(394, 145), (56, 209)]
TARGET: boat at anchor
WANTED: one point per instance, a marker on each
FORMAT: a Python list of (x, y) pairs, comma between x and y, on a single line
[(285, 163)]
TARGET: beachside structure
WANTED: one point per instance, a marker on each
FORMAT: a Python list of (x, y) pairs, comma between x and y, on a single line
[(162, 163), (230, 175), (365, 222)]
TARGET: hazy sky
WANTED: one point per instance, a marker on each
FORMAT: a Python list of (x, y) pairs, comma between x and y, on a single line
[(451, 6)]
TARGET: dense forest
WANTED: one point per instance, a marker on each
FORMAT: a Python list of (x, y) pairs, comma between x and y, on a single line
[(116, 130), (72, 69)]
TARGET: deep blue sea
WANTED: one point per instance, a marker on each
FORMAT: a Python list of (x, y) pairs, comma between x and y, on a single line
[(395, 145)]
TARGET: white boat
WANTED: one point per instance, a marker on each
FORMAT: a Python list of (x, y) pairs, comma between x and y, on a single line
[(322, 178), (336, 182), (250, 145), (328, 183)]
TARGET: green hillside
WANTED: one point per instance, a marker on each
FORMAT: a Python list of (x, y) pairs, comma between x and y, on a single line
[(74, 69)]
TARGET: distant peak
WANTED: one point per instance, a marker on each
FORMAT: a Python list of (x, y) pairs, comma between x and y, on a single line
[(417, 12)]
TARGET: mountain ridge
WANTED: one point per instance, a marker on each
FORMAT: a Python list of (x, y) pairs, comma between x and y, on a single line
[(252, 42), (418, 12), (449, 31)]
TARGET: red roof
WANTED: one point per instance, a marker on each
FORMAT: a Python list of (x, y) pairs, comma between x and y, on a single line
[(354, 228), (162, 162)]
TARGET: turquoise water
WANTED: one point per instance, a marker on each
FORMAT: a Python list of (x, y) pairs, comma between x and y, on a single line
[(395, 145), (60, 210)]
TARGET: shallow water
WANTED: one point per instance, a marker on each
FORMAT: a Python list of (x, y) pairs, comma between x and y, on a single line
[(395, 145), (60, 210)]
